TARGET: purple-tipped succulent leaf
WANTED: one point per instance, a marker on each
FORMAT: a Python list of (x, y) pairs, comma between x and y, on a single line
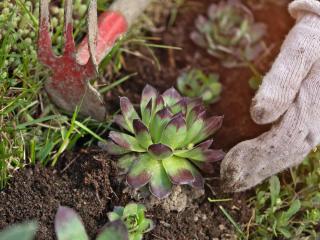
[(160, 184), (175, 132), (180, 106), (159, 122), (148, 93), (179, 170), (198, 179), (141, 133), (147, 112), (212, 125), (128, 112), (141, 171), (195, 128), (202, 155), (121, 122), (115, 230), (126, 141), (160, 151), (205, 145), (171, 97), (113, 148), (68, 225), (159, 104), (126, 162)]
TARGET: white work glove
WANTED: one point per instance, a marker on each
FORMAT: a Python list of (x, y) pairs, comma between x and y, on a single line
[(288, 96)]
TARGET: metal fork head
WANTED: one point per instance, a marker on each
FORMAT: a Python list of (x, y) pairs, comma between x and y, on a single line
[(69, 86)]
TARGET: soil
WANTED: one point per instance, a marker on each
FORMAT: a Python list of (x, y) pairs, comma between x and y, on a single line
[(86, 180)]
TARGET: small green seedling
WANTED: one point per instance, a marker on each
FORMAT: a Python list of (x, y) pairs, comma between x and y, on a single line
[(69, 226), (133, 215), (230, 33), (194, 83), (165, 145), (22, 231)]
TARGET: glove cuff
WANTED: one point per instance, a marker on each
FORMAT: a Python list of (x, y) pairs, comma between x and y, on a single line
[(301, 8)]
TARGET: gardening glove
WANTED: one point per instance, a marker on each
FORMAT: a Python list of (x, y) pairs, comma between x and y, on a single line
[(288, 96)]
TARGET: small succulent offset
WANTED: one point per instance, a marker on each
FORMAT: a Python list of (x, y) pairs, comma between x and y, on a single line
[(68, 226), (194, 83), (133, 215), (165, 145), (230, 33)]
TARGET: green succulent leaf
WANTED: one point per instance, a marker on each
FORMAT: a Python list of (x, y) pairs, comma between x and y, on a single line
[(126, 161), (195, 127), (160, 184), (132, 209), (115, 230), (159, 104), (68, 225), (112, 216), (200, 154), (141, 171), (120, 121), (212, 125), (128, 112), (126, 141), (147, 112), (160, 120), (198, 179), (113, 148), (179, 170), (171, 97), (142, 133), (146, 225), (149, 94), (175, 132), (204, 166), (22, 231), (180, 107), (160, 151)]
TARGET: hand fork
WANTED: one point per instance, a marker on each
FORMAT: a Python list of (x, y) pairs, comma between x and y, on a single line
[(69, 86)]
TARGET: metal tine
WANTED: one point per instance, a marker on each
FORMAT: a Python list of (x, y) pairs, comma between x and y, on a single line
[(93, 33), (45, 52), (69, 47)]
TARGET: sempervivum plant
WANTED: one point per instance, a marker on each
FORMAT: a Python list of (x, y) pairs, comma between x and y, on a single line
[(165, 145), (133, 215), (230, 33), (68, 226), (194, 83)]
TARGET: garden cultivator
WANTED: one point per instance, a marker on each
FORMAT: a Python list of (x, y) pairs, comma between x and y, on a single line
[(69, 86)]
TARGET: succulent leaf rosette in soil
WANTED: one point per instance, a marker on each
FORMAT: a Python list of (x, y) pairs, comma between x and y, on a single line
[(230, 33), (166, 145)]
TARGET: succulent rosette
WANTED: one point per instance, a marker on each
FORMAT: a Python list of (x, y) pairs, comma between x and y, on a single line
[(194, 83), (166, 144), (230, 33)]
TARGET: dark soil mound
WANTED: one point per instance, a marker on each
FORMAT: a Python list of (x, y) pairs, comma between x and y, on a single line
[(87, 182), (83, 181)]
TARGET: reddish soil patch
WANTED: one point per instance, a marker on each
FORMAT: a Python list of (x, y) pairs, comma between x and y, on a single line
[(87, 180)]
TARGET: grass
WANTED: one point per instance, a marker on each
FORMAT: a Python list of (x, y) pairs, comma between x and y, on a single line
[(288, 206)]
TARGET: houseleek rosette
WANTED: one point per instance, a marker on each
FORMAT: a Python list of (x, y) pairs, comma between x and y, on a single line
[(165, 145), (229, 33)]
